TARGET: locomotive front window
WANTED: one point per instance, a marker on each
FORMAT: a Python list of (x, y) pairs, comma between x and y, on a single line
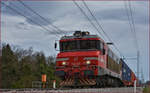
[(68, 46), (89, 44), (78, 45)]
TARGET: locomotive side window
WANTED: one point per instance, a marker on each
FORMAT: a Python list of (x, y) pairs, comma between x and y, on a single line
[(101, 45), (110, 54), (115, 58)]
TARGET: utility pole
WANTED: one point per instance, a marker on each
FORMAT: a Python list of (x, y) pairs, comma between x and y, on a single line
[(142, 76), (138, 62)]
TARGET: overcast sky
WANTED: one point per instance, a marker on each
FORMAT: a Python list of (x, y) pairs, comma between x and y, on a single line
[(20, 31)]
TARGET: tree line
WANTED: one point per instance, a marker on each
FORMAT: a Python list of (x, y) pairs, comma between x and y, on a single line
[(21, 67)]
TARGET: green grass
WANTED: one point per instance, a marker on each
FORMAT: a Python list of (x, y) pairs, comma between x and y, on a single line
[(146, 90)]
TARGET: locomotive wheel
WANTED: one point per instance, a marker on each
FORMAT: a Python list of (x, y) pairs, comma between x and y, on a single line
[(107, 81), (98, 82)]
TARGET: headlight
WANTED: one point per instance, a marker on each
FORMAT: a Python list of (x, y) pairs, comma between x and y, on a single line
[(88, 62), (63, 63)]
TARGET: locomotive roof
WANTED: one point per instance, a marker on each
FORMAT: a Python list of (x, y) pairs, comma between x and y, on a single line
[(86, 36)]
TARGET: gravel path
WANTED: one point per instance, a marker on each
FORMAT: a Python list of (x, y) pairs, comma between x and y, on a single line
[(89, 90)]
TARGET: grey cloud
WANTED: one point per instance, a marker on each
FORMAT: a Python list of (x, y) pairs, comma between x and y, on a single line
[(23, 26), (36, 20), (61, 32), (111, 14), (2, 22), (139, 16), (36, 6), (15, 6)]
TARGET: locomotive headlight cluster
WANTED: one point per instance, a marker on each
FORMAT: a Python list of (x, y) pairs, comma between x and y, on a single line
[(88, 62), (64, 63)]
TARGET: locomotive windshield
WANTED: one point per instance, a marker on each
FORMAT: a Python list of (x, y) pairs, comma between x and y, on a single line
[(77, 45)]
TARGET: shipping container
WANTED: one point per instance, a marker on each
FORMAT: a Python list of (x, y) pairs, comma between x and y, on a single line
[(126, 72)]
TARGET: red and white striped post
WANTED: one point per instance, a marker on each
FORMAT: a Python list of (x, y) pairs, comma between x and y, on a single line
[(54, 84)]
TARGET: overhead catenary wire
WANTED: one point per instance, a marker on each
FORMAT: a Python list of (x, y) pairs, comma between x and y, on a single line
[(29, 8), (100, 26), (82, 11), (132, 26), (131, 22), (26, 17), (128, 16)]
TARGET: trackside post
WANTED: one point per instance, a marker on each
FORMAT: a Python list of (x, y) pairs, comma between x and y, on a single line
[(54, 84), (134, 86), (44, 80)]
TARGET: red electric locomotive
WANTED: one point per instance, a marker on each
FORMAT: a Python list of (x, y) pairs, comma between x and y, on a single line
[(86, 60)]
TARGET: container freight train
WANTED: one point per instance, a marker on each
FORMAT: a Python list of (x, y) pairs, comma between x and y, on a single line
[(86, 60)]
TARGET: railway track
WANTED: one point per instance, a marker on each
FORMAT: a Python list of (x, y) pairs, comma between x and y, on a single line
[(78, 90)]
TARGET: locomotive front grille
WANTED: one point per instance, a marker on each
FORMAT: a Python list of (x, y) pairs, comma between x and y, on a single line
[(76, 75), (88, 73), (76, 66)]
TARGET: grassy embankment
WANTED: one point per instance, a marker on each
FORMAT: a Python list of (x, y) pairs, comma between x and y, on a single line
[(146, 90)]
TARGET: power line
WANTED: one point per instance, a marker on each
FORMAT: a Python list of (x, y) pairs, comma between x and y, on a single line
[(132, 26), (82, 11), (127, 12), (100, 26), (131, 23), (26, 17), (132, 20), (58, 30)]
